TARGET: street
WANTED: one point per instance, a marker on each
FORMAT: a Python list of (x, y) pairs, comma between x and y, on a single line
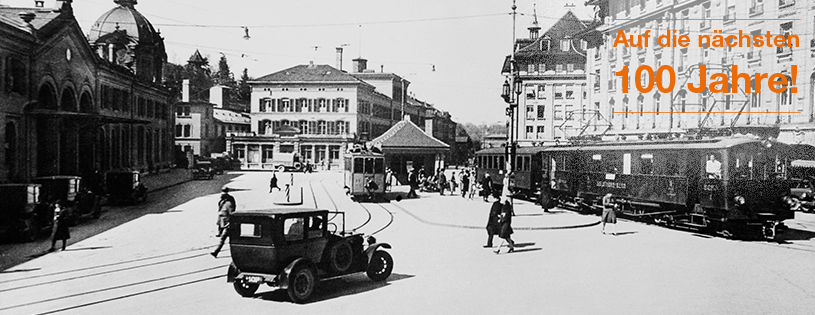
[(154, 259)]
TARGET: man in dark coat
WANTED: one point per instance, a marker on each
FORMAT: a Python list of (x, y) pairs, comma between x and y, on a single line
[(60, 226), (492, 221), (486, 186), (273, 183), (546, 195), (465, 183), (441, 182)]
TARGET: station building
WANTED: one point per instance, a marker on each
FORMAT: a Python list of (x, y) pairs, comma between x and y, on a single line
[(71, 104)]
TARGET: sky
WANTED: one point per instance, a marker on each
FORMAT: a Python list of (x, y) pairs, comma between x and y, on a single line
[(464, 40)]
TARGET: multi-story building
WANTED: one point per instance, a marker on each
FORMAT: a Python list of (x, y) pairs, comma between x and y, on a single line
[(72, 104), (788, 116), (317, 111), (201, 127), (553, 103)]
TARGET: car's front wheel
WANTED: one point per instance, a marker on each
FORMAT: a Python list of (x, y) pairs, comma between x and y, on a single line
[(244, 288), (380, 267), (301, 283)]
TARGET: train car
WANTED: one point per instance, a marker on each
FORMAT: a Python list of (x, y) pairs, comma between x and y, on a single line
[(360, 167), (727, 185), (528, 169)]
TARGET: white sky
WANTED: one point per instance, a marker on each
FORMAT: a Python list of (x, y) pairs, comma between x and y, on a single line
[(466, 40)]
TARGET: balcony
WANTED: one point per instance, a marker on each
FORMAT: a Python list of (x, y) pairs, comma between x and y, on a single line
[(757, 9), (729, 18)]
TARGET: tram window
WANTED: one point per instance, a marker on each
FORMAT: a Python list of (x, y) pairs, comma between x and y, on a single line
[(672, 167), (742, 166), (647, 163), (713, 165), (500, 163), (596, 163), (369, 165), (379, 166), (358, 165), (527, 163), (519, 163), (611, 163)]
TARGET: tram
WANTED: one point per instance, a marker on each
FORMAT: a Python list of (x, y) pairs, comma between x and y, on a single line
[(528, 169), (362, 166), (727, 185)]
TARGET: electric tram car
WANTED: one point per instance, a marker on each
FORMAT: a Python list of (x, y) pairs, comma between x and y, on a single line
[(360, 166), (528, 172), (727, 186)]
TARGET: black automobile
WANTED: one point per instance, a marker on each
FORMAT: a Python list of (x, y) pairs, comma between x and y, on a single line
[(21, 212), (293, 249), (203, 170), (76, 199), (125, 187)]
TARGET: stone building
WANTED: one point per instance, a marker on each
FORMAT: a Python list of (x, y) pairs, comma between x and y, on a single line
[(787, 116), (553, 103), (72, 104)]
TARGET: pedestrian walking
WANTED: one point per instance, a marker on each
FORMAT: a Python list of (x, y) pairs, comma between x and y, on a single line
[(413, 182), (608, 215), (371, 187), (273, 183), (226, 206), (545, 194), (505, 230), (465, 183), (453, 183), (486, 187), (506, 190), (493, 226), (60, 226), (441, 182)]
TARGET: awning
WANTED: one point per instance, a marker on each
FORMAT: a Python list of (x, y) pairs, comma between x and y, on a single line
[(803, 163)]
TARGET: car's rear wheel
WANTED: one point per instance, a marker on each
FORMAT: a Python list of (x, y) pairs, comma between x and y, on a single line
[(301, 283), (380, 267), (245, 289), (281, 168), (340, 256)]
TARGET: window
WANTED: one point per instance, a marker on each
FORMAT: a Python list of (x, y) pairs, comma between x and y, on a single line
[(530, 68), (322, 127), (569, 67), (570, 95), (304, 127), (647, 163), (187, 130), (786, 30), (753, 53), (529, 129), (730, 13), (178, 130), (530, 112), (559, 68), (286, 148), (268, 153), (541, 67), (15, 75), (540, 129), (250, 230), (541, 111), (786, 96), (756, 7), (785, 3), (755, 98), (542, 91), (294, 229)]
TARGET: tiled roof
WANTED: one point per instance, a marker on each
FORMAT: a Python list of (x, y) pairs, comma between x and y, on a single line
[(304, 73), (42, 16), (230, 117), (405, 134)]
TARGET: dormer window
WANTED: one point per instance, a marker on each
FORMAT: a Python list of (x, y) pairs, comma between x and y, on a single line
[(546, 43), (564, 44)]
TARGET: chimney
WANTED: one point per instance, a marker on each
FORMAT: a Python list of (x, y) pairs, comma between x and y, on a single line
[(406, 118), (339, 58), (185, 90), (428, 126), (382, 68), (39, 3), (216, 96), (360, 64)]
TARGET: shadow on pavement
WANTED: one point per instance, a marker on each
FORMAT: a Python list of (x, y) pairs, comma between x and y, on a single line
[(87, 248), (794, 235), (519, 250), (20, 270), (336, 287), (626, 233)]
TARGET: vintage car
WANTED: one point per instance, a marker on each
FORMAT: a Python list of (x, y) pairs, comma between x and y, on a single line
[(294, 248), (76, 199), (203, 169), (21, 212), (125, 187)]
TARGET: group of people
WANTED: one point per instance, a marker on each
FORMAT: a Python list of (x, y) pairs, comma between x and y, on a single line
[(462, 183)]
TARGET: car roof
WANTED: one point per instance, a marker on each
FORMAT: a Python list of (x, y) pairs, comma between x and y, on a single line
[(281, 210)]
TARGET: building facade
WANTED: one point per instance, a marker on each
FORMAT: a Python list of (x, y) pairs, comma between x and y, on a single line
[(787, 116), (317, 111), (72, 104), (553, 102)]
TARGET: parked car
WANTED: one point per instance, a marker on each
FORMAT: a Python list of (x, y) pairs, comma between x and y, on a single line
[(293, 249), (76, 199), (22, 214), (125, 187), (203, 169)]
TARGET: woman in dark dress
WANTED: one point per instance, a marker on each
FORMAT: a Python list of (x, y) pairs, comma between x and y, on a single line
[(608, 215), (60, 226), (493, 226), (486, 185), (505, 226)]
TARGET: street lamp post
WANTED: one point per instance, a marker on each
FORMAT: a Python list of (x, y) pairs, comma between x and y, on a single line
[(511, 93)]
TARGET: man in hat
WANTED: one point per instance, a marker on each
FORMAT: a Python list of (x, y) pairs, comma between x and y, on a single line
[(226, 206)]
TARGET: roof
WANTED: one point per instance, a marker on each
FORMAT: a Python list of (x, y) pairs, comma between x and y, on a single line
[(230, 116), (11, 16), (405, 134), (125, 18), (803, 163), (720, 143), (520, 150), (272, 211), (311, 72), (196, 58)]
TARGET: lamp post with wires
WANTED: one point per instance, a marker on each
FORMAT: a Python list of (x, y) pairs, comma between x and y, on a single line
[(511, 92)]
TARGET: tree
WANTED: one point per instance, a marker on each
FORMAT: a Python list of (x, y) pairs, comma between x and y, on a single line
[(244, 91), (198, 74), (223, 76)]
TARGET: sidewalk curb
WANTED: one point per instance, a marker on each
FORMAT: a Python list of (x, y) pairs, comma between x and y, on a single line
[(541, 228)]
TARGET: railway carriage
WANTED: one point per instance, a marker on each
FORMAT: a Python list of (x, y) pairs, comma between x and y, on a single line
[(528, 169), (360, 166), (726, 185)]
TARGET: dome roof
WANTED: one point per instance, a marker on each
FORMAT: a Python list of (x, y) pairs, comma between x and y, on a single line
[(125, 18)]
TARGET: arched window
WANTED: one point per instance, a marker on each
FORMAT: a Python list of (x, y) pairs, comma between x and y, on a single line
[(786, 96), (755, 98), (657, 98)]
